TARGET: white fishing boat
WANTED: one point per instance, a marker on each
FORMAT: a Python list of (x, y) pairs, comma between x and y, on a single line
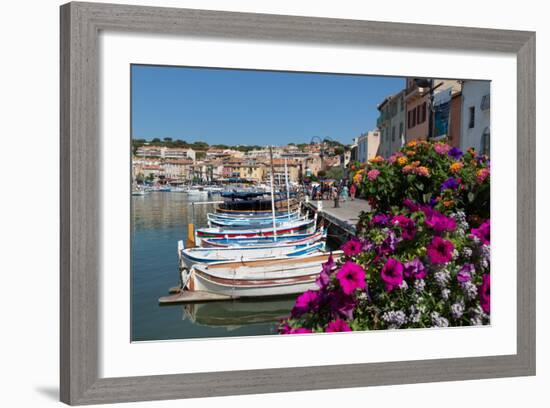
[(191, 256), (288, 227), (257, 278), (253, 223), (240, 217), (196, 191), (263, 242)]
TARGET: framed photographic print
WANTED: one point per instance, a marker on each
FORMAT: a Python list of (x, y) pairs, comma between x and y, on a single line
[(291, 203)]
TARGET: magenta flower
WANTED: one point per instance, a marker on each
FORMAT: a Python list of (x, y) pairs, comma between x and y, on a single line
[(392, 274), (338, 325), (483, 232), (351, 276), (324, 277), (306, 302), (485, 293), (388, 245), (373, 174), (440, 250), (300, 330), (414, 269), (410, 204), (284, 329), (408, 226), (438, 222), (353, 247), (341, 305), (465, 273), (380, 219)]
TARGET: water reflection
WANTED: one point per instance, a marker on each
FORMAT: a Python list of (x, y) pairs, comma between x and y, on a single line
[(235, 314), (159, 221)]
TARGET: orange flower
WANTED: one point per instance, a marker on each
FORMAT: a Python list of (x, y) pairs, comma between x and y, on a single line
[(415, 163), (377, 159), (407, 169), (410, 153), (448, 203), (456, 167), (412, 143), (423, 171), (402, 161)]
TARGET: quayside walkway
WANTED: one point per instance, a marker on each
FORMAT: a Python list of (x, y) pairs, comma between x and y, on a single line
[(344, 217)]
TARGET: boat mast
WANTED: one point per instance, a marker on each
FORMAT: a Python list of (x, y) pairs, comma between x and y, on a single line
[(287, 191), (272, 195)]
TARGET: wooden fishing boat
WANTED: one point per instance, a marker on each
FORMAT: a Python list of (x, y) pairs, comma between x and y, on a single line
[(255, 217), (253, 223), (309, 237), (288, 227), (191, 256), (257, 278)]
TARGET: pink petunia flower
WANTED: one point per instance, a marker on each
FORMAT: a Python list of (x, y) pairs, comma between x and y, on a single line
[(439, 222), (485, 293), (352, 247), (414, 269), (440, 250), (351, 276), (338, 325), (306, 302), (483, 232), (300, 330), (392, 274)]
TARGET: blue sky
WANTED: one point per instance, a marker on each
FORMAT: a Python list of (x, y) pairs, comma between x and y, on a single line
[(221, 106)]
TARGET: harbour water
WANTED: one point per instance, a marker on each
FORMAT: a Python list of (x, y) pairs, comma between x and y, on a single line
[(159, 221)]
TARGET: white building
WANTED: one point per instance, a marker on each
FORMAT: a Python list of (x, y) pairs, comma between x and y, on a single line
[(476, 115), (368, 145), (165, 153)]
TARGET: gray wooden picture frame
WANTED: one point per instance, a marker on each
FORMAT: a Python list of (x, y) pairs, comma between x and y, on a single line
[(81, 24)]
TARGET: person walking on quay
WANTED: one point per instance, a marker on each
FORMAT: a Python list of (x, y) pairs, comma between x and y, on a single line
[(352, 191), (344, 193)]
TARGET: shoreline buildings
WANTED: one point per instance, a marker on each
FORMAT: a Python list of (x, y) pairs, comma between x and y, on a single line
[(457, 111)]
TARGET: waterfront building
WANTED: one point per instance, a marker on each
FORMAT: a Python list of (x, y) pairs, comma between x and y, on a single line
[(150, 151), (391, 123), (418, 94), (165, 152), (476, 108), (177, 153), (353, 150), (293, 169), (368, 145), (177, 169)]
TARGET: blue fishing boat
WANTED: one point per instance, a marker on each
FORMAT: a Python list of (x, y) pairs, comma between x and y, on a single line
[(264, 241)]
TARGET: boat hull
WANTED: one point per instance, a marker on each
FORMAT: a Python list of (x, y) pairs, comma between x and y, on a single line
[(263, 241), (259, 278), (192, 256)]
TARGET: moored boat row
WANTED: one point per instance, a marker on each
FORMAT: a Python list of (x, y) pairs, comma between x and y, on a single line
[(253, 247)]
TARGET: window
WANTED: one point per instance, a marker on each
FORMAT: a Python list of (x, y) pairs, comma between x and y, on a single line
[(393, 134), (485, 141), (401, 130), (401, 104), (472, 117), (409, 119), (423, 112), (413, 114), (418, 113)]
